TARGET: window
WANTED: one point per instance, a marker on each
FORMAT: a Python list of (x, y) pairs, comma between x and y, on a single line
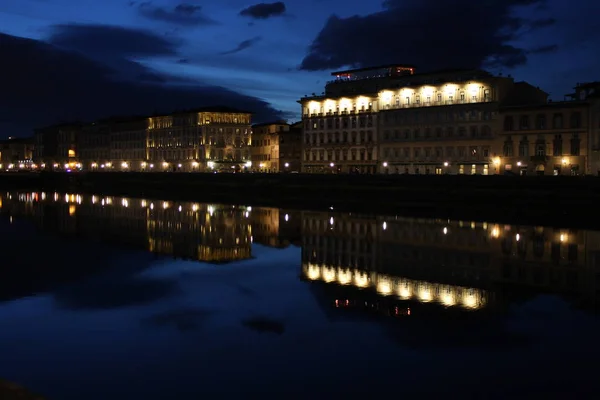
[(575, 120), (417, 99), (462, 97), (524, 147), (540, 148), (439, 98), (557, 145), (557, 121), (508, 123), (486, 131), (508, 147), (524, 122), (575, 145), (486, 95), (540, 121)]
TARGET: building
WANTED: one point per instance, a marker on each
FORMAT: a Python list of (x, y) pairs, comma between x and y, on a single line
[(264, 151), (210, 138), (94, 145), (553, 138), (56, 146), (545, 139), (392, 120), (290, 148), (16, 153), (127, 140)]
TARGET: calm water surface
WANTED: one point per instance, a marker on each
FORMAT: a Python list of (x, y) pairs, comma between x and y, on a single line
[(114, 298)]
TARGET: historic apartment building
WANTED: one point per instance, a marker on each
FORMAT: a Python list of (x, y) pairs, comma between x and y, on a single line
[(264, 151), (391, 120), (211, 138), (204, 139), (57, 146), (16, 153), (276, 147), (554, 138)]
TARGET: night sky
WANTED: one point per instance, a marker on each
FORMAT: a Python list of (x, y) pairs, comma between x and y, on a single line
[(84, 59)]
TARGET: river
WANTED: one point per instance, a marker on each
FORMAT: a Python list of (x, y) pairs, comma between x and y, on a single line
[(123, 298)]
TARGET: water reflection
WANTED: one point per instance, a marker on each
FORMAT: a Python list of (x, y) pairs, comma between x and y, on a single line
[(387, 264)]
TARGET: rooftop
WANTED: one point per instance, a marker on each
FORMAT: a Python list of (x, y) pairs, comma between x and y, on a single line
[(278, 122), (366, 69), (215, 109)]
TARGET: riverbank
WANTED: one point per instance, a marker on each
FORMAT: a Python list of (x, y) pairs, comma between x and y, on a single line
[(536, 200)]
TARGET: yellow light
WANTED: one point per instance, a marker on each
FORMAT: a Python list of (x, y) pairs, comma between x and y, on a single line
[(143, 164), (165, 205), (496, 231), (314, 272), (94, 165), (405, 291), (195, 164), (194, 207), (448, 298), (384, 225), (563, 237), (344, 277), (144, 204), (66, 165), (384, 286), (124, 165), (21, 166), (518, 237), (497, 161), (72, 209), (108, 165), (94, 199), (329, 274), (125, 203), (165, 164), (361, 279), (565, 161)]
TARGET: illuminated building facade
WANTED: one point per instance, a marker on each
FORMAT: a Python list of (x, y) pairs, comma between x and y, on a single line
[(396, 121), (56, 147), (204, 139), (265, 151), (214, 138), (16, 153), (554, 138)]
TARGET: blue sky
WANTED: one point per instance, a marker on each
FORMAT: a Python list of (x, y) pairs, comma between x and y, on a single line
[(280, 52)]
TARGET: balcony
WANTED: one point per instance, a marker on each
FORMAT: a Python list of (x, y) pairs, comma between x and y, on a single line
[(539, 159)]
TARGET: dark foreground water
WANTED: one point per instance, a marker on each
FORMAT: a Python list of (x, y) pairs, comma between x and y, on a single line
[(112, 298)]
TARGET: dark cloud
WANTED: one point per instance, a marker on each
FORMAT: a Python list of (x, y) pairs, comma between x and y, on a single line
[(111, 40), (243, 45), (42, 84), (430, 34), (264, 10), (182, 14), (116, 47), (544, 49)]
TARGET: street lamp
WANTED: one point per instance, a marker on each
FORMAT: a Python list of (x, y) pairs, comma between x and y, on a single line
[(287, 165), (385, 164), (331, 165), (446, 164)]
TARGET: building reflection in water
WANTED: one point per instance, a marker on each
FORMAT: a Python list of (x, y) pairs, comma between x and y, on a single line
[(204, 232), (454, 264), (382, 263)]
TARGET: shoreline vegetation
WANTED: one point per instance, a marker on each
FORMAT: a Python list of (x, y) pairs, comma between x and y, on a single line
[(560, 201)]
